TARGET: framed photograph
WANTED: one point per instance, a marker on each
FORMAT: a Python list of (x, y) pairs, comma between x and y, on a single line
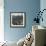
[(17, 19)]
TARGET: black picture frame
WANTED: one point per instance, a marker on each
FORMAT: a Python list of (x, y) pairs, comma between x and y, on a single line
[(17, 19)]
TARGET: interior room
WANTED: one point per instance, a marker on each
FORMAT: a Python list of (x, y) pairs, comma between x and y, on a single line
[(23, 22)]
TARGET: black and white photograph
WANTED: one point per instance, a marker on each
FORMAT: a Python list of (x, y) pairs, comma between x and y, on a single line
[(17, 19)]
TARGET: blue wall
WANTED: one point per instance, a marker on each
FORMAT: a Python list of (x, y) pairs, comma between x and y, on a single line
[(28, 6), (43, 6)]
